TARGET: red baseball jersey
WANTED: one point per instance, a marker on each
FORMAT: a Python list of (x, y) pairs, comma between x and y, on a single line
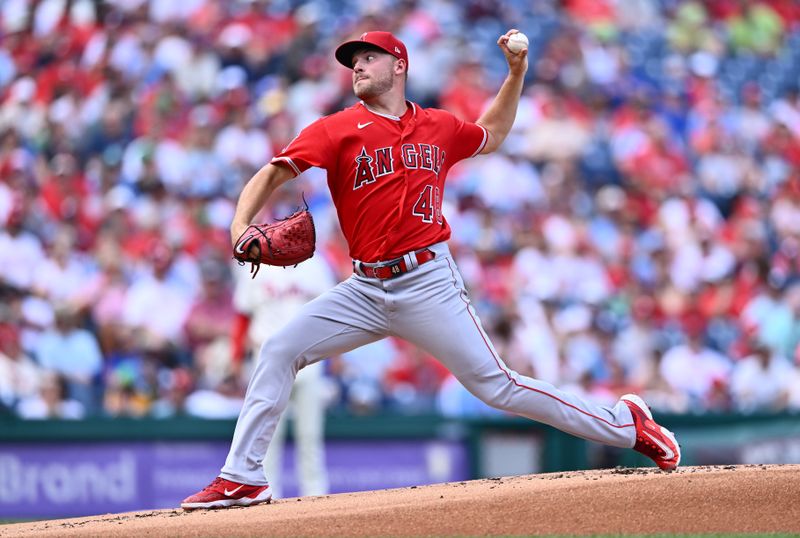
[(386, 173)]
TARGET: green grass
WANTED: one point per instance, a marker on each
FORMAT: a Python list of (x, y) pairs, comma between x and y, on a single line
[(710, 535), (714, 535)]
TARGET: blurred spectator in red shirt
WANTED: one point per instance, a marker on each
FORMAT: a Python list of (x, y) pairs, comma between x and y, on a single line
[(467, 92)]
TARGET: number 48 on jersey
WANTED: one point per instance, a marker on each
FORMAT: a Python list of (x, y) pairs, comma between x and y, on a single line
[(429, 205)]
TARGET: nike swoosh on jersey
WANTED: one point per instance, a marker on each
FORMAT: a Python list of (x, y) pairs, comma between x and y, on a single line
[(362, 125), (669, 454), (234, 490)]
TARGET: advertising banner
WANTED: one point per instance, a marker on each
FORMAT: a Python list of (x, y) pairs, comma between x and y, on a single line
[(73, 479)]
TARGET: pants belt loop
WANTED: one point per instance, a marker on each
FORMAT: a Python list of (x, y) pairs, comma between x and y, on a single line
[(411, 261), (358, 268)]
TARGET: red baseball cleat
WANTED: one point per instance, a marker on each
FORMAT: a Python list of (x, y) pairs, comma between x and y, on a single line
[(654, 441), (221, 493)]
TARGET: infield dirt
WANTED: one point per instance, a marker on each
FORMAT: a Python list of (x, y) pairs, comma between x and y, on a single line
[(731, 499)]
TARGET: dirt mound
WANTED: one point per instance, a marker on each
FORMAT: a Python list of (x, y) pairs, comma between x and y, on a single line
[(741, 499)]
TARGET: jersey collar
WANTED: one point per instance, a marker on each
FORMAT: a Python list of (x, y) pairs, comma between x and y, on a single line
[(395, 118)]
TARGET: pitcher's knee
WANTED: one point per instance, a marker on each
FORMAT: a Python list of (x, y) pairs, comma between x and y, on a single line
[(494, 392), (280, 353)]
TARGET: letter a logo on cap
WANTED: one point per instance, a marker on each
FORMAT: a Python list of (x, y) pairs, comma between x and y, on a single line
[(384, 41)]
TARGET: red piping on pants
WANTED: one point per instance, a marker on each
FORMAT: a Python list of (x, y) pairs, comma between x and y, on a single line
[(497, 361)]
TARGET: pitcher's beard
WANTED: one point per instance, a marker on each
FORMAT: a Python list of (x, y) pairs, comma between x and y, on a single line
[(372, 88)]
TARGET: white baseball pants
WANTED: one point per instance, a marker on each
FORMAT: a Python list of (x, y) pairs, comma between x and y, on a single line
[(307, 407), (428, 307)]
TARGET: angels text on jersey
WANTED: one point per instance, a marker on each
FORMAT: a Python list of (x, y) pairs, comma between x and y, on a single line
[(372, 165)]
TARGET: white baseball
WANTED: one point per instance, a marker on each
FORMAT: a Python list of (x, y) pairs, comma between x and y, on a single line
[(517, 42)]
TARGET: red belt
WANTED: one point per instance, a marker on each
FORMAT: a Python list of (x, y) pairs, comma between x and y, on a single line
[(392, 268)]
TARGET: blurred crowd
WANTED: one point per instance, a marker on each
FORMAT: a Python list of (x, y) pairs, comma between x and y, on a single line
[(638, 231)]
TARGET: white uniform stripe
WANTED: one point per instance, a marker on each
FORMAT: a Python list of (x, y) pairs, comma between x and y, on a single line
[(391, 117), (288, 161), (483, 142)]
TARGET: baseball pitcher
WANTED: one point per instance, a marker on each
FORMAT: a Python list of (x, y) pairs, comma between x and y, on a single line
[(387, 160)]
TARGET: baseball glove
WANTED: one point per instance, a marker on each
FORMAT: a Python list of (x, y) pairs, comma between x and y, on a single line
[(286, 242)]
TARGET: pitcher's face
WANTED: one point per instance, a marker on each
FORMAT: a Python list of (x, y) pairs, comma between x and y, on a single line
[(373, 73)]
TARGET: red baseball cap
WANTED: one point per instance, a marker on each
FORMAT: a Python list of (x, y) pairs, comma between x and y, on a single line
[(382, 40)]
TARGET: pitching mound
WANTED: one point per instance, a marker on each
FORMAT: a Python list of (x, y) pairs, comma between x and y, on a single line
[(733, 499)]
